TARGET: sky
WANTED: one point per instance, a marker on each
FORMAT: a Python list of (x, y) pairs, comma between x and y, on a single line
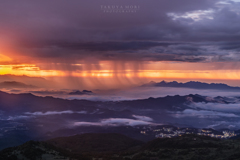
[(105, 43)]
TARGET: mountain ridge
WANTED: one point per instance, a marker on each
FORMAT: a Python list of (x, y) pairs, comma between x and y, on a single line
[(191, 84), (15, 84)]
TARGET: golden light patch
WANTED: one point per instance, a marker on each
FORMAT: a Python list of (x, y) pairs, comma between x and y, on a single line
[(108, 70), (5, 70), (29, 70)]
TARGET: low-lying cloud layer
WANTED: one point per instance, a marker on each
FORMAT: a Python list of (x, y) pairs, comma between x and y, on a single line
[(203, 114), (146, 92), (226, 108), (140, 120), (54, 113), (143, 118)]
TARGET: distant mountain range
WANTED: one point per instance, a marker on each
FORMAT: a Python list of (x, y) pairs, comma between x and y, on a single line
[(25, 116), (84, 92), (192, 84), (27, 102), (36, 81), (14, 84)]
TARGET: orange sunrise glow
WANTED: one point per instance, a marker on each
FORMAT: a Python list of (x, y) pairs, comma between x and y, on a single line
[(35, 71), (112, 70)]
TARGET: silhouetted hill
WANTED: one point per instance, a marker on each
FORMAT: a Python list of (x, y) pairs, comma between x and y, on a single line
[(34, 150), (189, 147), (192, 84), (129, 131), (89, 146), (95, 142), (39, 81), (184, 141), (84, 92), (167, 102), (14, 84), (29, 103)]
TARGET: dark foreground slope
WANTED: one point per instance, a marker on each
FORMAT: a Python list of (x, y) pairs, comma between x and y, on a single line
[(85, 146), (96, 142), (119, 147), (189, 147), (33, 150)]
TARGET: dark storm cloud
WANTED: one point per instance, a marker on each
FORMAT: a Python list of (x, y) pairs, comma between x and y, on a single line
[(72, 30), (230, 46), (173, 57), (103, 46)]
